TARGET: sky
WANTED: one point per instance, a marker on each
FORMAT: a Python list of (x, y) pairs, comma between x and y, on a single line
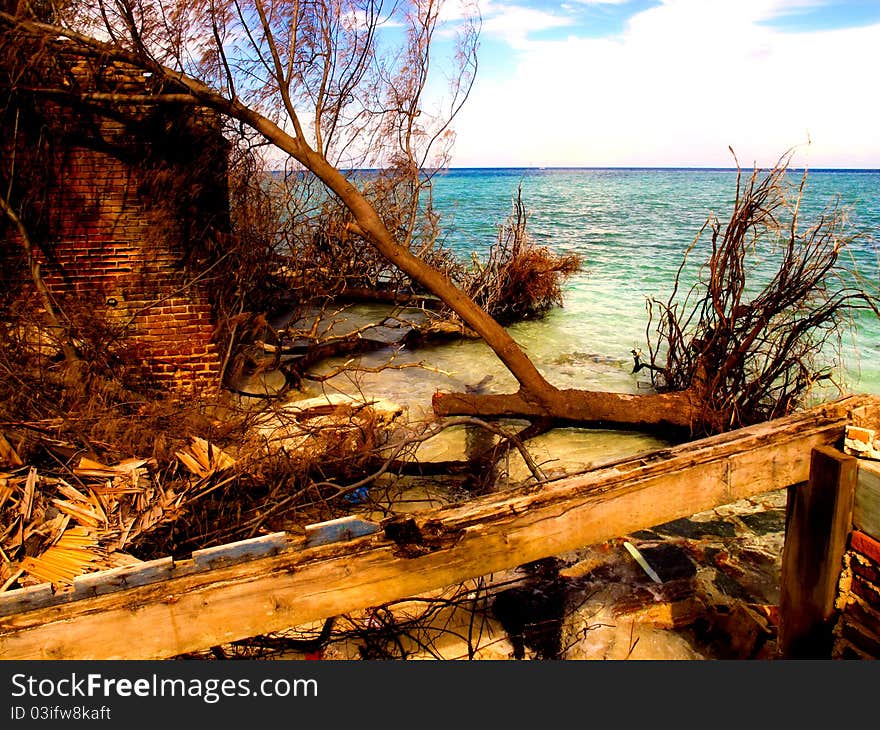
[(671, 83)]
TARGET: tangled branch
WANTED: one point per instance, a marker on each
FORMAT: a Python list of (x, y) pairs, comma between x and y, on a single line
[(755, 331)]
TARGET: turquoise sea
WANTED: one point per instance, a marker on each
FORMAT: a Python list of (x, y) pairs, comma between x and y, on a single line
[(631, 226)]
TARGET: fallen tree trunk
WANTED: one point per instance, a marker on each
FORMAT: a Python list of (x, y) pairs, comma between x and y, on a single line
[(681, 410), (746, 326), (535, 390)]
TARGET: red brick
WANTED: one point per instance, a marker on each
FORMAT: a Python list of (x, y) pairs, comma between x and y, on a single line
[(860, 636), (863, 543), (868, 592), (865, 568), (107, 239)]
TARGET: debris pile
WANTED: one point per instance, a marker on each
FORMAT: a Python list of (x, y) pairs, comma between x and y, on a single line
[(64, 522)]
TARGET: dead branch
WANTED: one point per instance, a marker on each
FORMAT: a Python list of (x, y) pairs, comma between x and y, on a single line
[(757, 328)]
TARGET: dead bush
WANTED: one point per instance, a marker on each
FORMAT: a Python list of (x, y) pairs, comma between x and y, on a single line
[(519, 280), (771, 302)]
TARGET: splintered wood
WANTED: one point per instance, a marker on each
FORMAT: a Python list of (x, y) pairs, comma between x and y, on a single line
[(279, 582), (8, 454), (69, 557), (54, 529), (203, 458)]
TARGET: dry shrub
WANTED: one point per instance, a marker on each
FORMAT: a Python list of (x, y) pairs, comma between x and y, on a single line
[(323, 437), (519, 280), (531, 284)]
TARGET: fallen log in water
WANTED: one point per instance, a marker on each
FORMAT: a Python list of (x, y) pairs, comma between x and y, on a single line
[(680, 410), (166, 608)]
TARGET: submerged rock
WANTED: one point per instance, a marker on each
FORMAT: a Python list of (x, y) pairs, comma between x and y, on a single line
[(689, 528)]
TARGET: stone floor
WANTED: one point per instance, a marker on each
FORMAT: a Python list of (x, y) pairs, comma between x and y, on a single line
[(719, 595)]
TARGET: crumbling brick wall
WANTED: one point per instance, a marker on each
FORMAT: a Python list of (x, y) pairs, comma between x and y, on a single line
[(129, 209), (856, 632)]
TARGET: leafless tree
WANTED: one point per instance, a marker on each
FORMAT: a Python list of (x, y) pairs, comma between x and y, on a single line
[(334, 85)]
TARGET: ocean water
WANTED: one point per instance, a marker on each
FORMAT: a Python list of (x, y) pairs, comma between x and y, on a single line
[(631, 226)]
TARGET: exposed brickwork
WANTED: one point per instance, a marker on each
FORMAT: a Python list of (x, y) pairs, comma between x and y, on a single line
[(128, 210), (857, 634), (866, 545)]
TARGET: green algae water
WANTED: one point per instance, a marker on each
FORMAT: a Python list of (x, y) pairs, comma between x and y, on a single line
[(631, 227)]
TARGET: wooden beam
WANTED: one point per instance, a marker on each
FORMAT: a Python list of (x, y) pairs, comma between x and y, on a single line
[(818, 524), (191, 608)]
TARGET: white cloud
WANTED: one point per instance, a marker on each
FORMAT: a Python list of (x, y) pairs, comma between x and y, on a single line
[(513, 23), (455, 10), (684, 81), (601, 2)]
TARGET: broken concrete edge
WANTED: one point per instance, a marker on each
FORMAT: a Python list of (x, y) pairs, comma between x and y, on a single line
[(861, 442)]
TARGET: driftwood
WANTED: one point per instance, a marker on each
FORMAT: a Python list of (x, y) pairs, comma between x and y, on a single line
[(663, 410)]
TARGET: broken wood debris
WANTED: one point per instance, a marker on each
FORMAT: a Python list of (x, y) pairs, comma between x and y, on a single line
[(203, 458), (65, 563), (8, 454), (640, 559), (56, 527), (67, 558), (300, 584)]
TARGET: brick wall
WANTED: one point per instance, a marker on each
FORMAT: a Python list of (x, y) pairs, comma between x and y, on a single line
[(127, 210), (857, 632)]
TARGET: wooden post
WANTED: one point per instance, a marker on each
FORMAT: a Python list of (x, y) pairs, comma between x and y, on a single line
[(818, 523)]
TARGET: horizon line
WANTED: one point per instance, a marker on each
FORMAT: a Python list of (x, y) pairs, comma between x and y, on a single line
[(651, 167), (695, 168)]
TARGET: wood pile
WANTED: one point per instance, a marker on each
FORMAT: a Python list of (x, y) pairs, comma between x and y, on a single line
[(56, 524), (78, 515)]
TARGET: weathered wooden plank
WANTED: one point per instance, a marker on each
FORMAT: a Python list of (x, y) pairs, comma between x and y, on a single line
[(342, 528), (818, 524), (126, 576), (238, 552), (433, 549), (138, 574), (866, 511), (25, 599)]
